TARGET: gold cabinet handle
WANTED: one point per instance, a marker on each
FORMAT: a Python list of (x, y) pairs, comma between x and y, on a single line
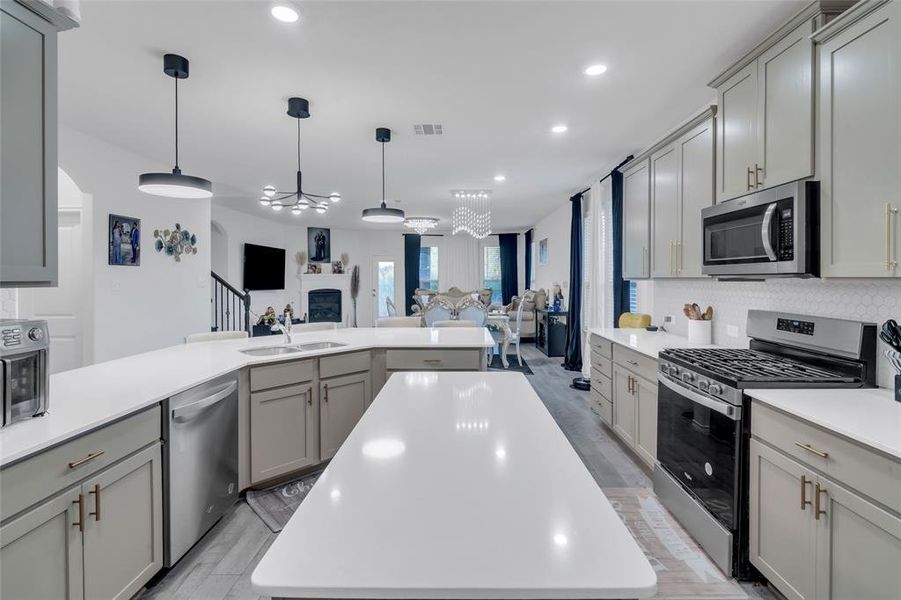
[(88, 458), (310, 396), (748, 179), (672, 258), (816, 508), (812, 450), (804, 500), (890, 262), (96, 493), (432, 361), (80, 503), (678, 256), (758, 171), (325, 391)]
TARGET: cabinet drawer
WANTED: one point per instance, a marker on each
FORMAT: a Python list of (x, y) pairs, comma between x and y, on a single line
[(601, 383), (36, 478), (277, 375), (602, 346), (433, 360), (870, 473), (604, 365), (343, 364), (641, 365), (605, 407)]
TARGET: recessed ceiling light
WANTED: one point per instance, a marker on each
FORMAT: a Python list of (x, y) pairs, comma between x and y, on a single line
[(500, 178), (285, 14), (596, 70), (559, 128)]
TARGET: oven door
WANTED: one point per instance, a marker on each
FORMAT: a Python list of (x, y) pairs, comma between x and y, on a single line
[(24, 385), (699, 444)]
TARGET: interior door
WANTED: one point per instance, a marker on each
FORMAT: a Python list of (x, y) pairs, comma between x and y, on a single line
[(664, 211), (636, 221), (343, 400), (737, 134), (384, 278)]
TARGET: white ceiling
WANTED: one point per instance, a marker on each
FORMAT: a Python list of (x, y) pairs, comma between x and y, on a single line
[(496, 75)]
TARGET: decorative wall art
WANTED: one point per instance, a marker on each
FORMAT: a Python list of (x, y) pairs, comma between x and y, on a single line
[(542, 252), (124, 237), (175, 242), (319, 244)]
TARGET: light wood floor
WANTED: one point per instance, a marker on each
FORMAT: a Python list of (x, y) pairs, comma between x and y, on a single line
[(219, 566)]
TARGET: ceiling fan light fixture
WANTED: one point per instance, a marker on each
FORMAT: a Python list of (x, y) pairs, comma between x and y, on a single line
[(265, 201)]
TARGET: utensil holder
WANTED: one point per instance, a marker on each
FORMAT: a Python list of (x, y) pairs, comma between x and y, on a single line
[(894, 359), (699, 332)]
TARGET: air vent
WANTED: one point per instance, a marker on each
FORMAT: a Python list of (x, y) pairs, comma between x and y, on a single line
[(428, 129)]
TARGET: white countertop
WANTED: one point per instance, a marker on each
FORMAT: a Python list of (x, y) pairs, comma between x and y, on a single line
[(649, 343), (870, 416), (455, 485), (84, 399)]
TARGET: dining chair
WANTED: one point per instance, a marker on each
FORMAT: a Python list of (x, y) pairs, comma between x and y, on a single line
[(214, 336), (516, 334), (470, 309), (438, 309), (398, 322), (302, 327)]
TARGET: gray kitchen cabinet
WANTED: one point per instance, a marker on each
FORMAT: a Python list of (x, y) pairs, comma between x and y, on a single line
[(282, 430), (343, 400), (646, 417), (859, 150), (41, 552), (736, 139), (665, 230), (28, 154), (123, 533), (636, 220), (623, 405)]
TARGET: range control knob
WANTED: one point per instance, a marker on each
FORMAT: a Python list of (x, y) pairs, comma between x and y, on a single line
[(715, 389), (35, 334), (688, 377), (674, 370)]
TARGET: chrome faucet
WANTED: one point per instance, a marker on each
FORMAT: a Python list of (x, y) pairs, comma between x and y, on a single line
[(284, 328)]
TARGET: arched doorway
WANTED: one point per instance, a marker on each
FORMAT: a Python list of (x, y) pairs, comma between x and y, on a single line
[(219, 250)]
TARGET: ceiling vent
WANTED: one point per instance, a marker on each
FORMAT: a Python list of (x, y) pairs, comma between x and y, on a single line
[(428, 129)]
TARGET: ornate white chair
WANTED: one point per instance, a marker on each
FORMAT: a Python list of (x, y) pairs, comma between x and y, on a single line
[(516, 333), (439, 309), (469, 309)]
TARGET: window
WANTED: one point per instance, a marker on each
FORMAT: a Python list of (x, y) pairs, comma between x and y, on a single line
[(532, 266), (633, 296), (385, 286), (491, 270), (428, 267)]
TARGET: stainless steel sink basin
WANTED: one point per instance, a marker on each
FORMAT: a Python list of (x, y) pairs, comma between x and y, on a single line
[(317, 346), (271, 350)]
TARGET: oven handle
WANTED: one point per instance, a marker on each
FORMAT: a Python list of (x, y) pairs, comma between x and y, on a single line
[(723, 408), (765, 227)]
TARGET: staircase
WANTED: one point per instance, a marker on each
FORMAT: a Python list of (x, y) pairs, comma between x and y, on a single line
[(229, 306)]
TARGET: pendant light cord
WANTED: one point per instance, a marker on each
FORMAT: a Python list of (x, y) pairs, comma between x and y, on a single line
[(176, 125), (298, 145), (383, 174)]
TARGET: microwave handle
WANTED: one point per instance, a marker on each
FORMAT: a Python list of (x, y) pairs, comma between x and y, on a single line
[(765, 228)]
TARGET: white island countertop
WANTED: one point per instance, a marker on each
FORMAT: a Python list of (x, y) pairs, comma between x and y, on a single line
[(649, 343), (869, 416), (86, 398), (455, 485)]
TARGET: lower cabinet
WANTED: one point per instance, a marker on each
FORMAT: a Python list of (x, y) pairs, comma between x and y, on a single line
[(635, 412), (624, 403), (343, 400), (101, 539), (282, 431)]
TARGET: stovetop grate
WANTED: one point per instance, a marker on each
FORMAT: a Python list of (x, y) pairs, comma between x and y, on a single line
[(745, 365)]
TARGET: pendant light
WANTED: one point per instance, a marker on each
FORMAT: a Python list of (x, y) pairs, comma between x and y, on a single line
[(383, 214), (175, 184)]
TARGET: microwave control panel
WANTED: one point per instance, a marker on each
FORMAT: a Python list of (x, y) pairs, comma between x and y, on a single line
[(20, 335), (786, 234), (11, 336)]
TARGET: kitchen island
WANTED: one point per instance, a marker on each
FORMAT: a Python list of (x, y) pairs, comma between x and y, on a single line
[(455, 485)]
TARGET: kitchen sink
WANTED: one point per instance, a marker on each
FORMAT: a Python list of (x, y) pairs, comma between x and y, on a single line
[(271, 350), (317, 346)]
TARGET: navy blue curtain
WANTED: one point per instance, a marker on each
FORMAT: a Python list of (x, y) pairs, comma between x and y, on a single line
[(620, 286), (573, 353), (412, 245), (509, 276), (529, 259)]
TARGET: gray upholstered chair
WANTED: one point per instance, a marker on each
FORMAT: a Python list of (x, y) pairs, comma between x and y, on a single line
[(439, 309)]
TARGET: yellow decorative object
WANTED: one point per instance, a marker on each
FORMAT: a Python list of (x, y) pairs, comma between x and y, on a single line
[(631, 320)]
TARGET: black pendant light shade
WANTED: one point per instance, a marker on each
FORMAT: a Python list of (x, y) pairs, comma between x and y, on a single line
[(175, 184), (382, 213)]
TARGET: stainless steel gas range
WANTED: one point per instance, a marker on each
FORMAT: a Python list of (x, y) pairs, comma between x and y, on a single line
[(703, 419)]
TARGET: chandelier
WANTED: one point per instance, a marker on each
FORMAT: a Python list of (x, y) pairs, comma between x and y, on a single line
[(421, 224), (473, 214), (298, 200)]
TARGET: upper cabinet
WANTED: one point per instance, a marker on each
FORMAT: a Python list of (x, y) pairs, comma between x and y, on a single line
[(28, 196), (636, 220), (859, 147), (765, 134)]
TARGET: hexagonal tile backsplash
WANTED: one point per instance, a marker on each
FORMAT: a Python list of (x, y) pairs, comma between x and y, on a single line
[(872, 300)]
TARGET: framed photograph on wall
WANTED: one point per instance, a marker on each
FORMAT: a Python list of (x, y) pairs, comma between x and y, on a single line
[(319, 244), (542, 252), (124, 238)]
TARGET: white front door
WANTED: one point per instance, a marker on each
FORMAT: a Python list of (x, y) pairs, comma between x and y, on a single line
[(384, 286)]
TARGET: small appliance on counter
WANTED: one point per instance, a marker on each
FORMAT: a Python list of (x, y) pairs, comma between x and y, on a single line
[(24, 346), (891, 335)]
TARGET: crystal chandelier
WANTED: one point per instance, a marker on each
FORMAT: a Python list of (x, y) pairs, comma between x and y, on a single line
[(473, 215), (421, 224), (298, 200)]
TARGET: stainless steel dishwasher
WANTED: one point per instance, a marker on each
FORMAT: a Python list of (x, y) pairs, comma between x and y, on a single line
[(200, 462)]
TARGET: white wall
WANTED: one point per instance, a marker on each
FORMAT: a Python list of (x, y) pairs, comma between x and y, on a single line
[(137, 309), (555, 227)]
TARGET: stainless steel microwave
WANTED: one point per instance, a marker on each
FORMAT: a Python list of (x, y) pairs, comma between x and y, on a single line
[(771, 233)]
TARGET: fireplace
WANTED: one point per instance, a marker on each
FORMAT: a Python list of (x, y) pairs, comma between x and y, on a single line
[(325, 306)]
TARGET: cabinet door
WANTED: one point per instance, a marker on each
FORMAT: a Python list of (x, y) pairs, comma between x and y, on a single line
[(646, 430), (41, 552), (282, 431), (781, 521), (858, 547), (860, 146), (696, 188), (636, 221), (785, 110), (736, 139), (623, 405), (664, 211), (123, 533), (343, 402), (28, 195)]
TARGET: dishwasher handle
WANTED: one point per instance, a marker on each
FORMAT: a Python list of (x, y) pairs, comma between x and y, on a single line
[(186, 413)]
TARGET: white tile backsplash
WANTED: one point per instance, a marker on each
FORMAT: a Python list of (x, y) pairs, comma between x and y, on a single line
[(872, 300), (9, 300)]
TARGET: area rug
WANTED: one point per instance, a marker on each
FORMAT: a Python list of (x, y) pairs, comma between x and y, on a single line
[(497, 365), (275, 505), (683, 570)]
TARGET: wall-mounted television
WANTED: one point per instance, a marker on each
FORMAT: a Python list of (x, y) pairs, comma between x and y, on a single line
[(264, 267)]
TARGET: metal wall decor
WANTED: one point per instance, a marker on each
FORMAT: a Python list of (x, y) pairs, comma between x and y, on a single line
[(175, 242)]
